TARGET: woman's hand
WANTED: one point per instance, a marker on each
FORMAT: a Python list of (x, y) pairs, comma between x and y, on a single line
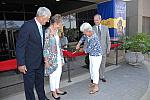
[(78, 46), (47, 64), (81, 50), (62, 64)]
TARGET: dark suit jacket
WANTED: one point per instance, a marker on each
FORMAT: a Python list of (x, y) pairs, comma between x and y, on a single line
[(29, 50)]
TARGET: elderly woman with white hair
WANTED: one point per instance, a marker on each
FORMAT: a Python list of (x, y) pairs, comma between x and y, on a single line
[(95, 55)]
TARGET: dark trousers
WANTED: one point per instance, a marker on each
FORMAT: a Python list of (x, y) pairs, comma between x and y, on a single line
[(34, 77)]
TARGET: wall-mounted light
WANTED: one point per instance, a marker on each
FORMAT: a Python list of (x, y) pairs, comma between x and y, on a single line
[(3, 3), (57, 0)]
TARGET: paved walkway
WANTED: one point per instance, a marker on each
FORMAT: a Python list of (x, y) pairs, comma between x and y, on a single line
[(124, 82)]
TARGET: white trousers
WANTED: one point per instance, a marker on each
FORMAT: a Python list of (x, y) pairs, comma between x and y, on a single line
[(95, 62), (54, 78)]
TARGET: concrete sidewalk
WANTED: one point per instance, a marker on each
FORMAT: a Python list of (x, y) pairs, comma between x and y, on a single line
[(124, 82)]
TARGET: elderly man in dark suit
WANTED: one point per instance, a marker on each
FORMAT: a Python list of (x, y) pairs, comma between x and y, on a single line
[(29, 54)]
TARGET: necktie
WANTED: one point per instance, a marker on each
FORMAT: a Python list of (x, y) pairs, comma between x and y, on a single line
[(99, 31), (41, 34)]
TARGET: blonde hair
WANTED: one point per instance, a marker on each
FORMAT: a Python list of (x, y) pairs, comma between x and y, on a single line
[(57, 18)]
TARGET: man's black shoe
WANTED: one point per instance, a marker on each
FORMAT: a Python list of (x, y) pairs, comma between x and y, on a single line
[(103, 79)]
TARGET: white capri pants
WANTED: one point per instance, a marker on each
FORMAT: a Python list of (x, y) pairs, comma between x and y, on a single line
[(95, 62), (54, 78)]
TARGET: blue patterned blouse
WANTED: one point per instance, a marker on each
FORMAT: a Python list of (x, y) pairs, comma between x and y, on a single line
[(51, 51), (93, 46)]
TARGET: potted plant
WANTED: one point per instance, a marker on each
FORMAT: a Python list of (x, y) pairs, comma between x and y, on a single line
[(135, 46)]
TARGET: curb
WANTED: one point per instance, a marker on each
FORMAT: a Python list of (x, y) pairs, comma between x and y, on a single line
[(146, 96)]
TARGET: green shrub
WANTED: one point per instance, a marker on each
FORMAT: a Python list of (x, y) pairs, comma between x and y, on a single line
[(139, 42)]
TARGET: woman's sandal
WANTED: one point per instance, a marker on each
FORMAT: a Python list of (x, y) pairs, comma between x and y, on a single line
[(91, 85), (93, 91)]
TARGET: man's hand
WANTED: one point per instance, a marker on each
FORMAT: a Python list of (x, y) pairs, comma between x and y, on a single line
[(22, 69)]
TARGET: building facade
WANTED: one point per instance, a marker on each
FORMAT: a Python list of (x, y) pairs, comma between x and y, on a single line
[(138, 16)]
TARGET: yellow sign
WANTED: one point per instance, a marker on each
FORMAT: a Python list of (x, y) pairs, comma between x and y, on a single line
[(114, 22)]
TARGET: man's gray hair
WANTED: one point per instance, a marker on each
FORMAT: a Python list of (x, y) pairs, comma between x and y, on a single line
[(43, 11), (86, 26), (98, 16)]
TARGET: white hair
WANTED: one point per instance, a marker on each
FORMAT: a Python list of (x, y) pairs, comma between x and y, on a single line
[(43, 11), (86, 26)]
